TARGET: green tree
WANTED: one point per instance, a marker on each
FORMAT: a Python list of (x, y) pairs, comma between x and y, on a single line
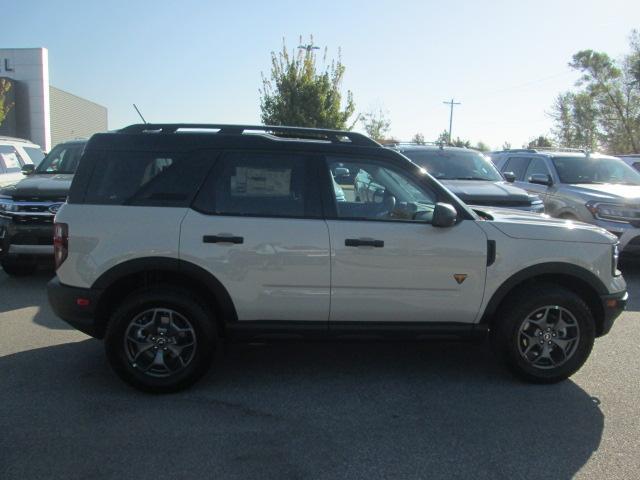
[(376, 124), (418, 138), (506, 146), (540, 142), (458, 142), (605, 110), (443, 137), (5, 106), (299, 93), (483, 147)]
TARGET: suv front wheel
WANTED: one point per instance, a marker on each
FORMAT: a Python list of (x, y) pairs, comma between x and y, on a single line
[(161, 339), (544, 333)]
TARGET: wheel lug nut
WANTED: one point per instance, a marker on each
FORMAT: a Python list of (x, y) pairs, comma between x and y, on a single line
[(549, 343)]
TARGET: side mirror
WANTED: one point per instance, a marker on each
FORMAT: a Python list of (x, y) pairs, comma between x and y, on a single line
[(541, 179), (509, 176), (28, 169), (444, 215), (341, 172)]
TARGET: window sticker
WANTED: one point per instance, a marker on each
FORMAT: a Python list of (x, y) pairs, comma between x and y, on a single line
[(261, 182), (10, 160)]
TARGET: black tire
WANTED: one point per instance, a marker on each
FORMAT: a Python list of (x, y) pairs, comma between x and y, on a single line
[(511, 343), (16, 268), (198, 317)]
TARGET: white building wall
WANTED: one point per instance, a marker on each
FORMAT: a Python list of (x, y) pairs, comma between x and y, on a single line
[(30, 66)]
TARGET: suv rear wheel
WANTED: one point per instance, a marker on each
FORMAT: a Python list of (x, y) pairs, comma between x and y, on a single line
[(544, 333), (161, 339)]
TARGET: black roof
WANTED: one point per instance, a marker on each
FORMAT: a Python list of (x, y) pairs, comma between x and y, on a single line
[(191, 136)]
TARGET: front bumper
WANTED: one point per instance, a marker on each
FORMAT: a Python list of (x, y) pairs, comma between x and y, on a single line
[(25, 240), (613, 306), (76, 306)]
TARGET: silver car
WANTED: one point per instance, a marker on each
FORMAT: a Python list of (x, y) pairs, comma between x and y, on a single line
[(576, 185)]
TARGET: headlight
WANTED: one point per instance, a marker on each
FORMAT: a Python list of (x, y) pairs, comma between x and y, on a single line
[(614, 212), (6, 204), (615, 255), (537, 206)]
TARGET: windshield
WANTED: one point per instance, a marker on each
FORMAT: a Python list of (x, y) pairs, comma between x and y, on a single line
[(595, 170), (35, 154), (455, 164), (64, 158)]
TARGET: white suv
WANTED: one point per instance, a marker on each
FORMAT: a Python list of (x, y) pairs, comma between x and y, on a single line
[(177, 237), (15, 153)]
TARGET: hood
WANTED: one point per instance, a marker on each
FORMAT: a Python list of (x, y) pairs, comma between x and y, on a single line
[(478, 192), (532, 226), (40, 185), (607, 192)]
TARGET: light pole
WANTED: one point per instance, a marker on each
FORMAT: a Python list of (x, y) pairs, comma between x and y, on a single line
[(451, 103)]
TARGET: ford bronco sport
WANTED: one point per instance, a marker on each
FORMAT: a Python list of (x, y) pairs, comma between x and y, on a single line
[(176, 237)]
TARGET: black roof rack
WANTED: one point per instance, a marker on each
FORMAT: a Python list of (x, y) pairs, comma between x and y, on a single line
[(280, 132)]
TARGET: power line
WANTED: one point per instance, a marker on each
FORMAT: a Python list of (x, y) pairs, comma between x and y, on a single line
[(451, 103)]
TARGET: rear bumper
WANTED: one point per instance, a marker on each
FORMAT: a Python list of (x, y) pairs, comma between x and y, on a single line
[(76, 306), (613, 306)]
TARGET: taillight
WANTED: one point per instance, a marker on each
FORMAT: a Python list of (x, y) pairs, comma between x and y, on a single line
[(60, 243)]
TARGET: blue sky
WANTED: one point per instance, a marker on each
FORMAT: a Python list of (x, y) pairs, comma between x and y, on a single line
[(200, 61)]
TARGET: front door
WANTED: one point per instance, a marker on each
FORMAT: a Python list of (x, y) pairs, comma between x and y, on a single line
[(389, 264)]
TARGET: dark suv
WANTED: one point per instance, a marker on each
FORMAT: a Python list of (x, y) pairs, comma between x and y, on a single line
[(27, 209), (471, 176)]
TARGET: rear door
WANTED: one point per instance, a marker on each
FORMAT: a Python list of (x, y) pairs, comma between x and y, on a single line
[(389, 264), (257, 226)]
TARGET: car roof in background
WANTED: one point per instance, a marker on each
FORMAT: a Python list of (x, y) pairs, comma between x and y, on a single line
[(552, 153), (16, 140)]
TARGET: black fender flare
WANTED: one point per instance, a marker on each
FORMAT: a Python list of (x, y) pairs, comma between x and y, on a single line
[(530, 273), (167, 264)]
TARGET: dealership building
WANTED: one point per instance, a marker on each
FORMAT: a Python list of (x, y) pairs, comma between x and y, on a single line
[(40, 112)]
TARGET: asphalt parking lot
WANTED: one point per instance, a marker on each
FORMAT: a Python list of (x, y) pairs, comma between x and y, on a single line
[(435, 410)]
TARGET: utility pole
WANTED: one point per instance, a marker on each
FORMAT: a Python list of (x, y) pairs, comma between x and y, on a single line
[(451, 103), (308, 47)]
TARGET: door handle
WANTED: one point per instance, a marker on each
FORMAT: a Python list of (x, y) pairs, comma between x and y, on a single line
[(358, 242), (222, 239)]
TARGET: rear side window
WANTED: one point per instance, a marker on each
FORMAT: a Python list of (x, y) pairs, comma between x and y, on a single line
[(517, 165), (260, 184), (146, 178)]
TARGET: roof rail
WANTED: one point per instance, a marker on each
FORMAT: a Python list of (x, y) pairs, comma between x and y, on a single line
[(440, 145), (14, 139), (299, 133), (541, 149)]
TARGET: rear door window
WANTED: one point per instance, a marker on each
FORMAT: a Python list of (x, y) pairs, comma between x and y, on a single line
[(261, 185), (518, 166)]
